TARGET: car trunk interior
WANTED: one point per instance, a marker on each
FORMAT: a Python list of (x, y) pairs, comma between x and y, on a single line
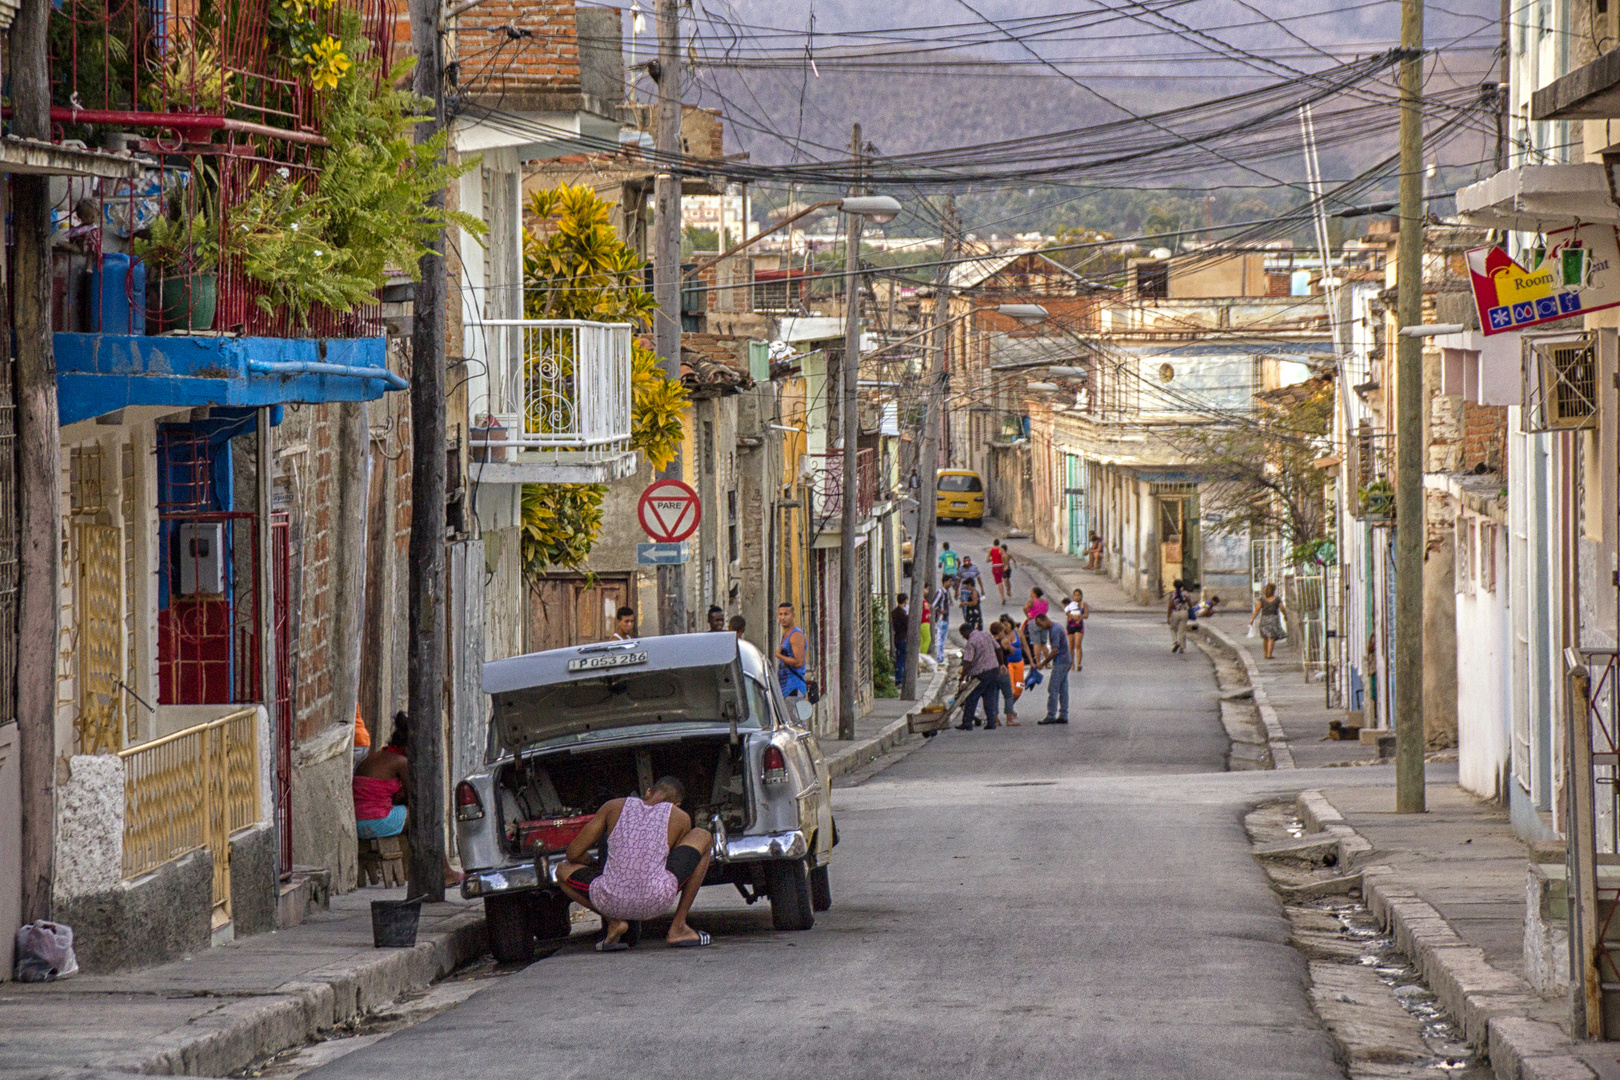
[(542, 792)]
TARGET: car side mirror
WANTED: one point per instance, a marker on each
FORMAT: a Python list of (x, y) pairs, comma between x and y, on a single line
[(803, 709)]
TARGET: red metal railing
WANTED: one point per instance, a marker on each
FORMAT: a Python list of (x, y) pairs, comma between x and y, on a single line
[(223, 111)]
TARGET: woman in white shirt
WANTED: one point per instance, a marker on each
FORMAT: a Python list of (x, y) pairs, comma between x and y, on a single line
[(1076, 611)]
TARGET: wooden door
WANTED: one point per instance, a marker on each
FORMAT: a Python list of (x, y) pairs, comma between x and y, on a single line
[(570, 609)]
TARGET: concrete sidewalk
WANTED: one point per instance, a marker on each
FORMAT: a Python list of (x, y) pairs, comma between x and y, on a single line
[(1065, 573), (1449, 884), (219, 1011), (884, 727)]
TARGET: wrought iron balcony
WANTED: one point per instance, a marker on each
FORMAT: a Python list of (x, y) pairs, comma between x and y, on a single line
[(827, 478), (558, 402)]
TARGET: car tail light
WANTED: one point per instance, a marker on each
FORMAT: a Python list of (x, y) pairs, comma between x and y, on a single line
[(775, 766), (468, 808)]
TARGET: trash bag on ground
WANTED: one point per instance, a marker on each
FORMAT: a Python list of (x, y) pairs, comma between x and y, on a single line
[(45, 952)]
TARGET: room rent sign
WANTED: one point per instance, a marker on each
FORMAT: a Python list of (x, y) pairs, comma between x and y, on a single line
[(1577, 271)]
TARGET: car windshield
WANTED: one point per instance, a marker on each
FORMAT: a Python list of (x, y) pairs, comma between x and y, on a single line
[(960, 483)]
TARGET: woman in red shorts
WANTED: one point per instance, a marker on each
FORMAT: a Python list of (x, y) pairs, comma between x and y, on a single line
[(1001, 570)]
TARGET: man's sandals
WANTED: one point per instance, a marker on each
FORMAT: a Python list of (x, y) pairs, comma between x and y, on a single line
[(698, 942)]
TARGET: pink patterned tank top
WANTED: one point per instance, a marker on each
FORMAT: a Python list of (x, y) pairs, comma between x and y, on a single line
[(635, 884)]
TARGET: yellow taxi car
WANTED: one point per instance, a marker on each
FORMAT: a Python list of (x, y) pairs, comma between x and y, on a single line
[(960, 496)]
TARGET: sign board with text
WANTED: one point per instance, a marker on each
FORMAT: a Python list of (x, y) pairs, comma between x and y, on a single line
[(669, 511), (1576, 272)]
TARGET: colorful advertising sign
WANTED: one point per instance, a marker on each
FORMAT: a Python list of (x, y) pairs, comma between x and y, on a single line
[(1578, 271)]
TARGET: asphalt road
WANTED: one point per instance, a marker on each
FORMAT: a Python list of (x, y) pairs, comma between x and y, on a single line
[(1029, 902)]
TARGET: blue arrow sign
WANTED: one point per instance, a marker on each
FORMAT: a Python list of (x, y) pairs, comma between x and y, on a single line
[(663, 554)]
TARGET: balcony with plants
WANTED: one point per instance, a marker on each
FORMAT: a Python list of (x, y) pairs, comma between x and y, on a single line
[(279, 190)]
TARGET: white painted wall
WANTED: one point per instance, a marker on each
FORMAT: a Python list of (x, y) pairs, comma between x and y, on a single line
[(1484, 677)]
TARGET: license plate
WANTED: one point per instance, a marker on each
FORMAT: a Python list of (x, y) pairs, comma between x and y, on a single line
[(959, 506), (591, 663)]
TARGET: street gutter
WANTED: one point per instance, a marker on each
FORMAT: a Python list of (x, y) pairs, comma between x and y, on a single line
[(862, 752)]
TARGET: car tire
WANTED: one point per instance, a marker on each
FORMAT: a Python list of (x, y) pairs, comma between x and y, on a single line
[(550, 914), (820, 888), (787, 881), (511, 934)]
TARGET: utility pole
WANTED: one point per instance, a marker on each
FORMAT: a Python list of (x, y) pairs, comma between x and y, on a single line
[(922, 549), (424, 778), (1410, 526), (38, 450), (849, 427), (667, 267)]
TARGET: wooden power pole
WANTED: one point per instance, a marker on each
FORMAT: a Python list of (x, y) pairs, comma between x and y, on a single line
[(849, 429), (1410, 525), (38, 449), (922, 548), (425, 776), (667, 268)]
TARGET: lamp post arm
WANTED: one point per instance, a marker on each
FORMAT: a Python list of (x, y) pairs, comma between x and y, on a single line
[(706, 263)]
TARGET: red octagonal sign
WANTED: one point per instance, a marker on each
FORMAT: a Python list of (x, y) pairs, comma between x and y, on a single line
[(669, 511)]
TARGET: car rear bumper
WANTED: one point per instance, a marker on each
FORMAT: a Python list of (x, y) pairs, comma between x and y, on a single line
[(792, 844)]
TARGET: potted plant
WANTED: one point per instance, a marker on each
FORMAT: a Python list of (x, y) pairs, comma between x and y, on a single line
[(1378, 499), (182, 253)]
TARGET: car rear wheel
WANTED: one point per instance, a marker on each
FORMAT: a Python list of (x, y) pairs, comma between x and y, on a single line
[(511, 934), (820, 888), (788, 883), (551, 919)]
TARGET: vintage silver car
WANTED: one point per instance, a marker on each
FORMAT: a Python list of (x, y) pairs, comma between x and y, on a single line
[(573, 728)]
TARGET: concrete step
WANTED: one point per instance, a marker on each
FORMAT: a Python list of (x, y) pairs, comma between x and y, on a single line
[(308, 889)]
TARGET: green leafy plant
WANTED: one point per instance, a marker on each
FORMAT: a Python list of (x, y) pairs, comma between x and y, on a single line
[(191, 76), (177, 244), (883, 684), (332, 242), (1318, 552), (1378, 499), (575, 266)]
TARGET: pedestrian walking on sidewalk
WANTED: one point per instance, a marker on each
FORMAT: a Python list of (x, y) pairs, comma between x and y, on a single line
[(1075, 612), (899, 624), (1057, 684), (1269, 610), (942, 617), (1001, 570), (1175, 613), (982, 669), (925, 629)]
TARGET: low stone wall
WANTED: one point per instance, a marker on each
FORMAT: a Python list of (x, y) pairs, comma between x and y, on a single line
[(159, 917)]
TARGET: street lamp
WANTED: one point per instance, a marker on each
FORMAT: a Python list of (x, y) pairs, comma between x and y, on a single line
[(858, 208), (1028, 314)]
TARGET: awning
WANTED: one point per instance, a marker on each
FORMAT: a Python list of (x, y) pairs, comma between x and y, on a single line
[(1531, 198)]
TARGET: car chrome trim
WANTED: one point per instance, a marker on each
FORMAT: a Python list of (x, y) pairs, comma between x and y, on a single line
[(783, 845), (478, 883)]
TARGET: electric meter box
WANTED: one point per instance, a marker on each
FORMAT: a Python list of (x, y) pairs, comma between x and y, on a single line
[(202, 558)]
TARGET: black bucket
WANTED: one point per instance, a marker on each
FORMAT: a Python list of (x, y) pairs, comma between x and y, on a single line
[(393, 922)]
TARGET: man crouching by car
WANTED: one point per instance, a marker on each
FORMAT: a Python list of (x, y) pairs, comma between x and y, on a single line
[(653, 855)]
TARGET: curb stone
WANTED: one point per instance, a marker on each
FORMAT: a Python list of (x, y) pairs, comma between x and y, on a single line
[(1281, 755), (233, 1036), (862, 752), (1490, 1005)]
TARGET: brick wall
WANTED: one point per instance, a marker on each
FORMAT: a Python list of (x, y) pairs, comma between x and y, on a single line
[(511, 47), (1484, 438)]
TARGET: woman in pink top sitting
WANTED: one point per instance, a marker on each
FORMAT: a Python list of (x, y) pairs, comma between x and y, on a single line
[(654, 855), (379, 792)]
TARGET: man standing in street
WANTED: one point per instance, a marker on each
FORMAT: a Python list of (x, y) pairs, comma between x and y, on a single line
[(940, 607), (790, 654), (717, 618), (949, 561), (1057, 684), (624, 624), (982, 668), (899, 623), (969, 575)]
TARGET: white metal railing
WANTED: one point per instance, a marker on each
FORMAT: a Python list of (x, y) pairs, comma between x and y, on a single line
[(556, 384)]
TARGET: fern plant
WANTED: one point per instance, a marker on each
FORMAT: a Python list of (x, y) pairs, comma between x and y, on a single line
[(334, 241)]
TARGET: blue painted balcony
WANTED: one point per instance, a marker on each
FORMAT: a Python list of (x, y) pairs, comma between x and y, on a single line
[(102, 373)]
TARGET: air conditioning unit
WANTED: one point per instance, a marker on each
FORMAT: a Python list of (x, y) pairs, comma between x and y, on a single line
[(1561, 382)]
